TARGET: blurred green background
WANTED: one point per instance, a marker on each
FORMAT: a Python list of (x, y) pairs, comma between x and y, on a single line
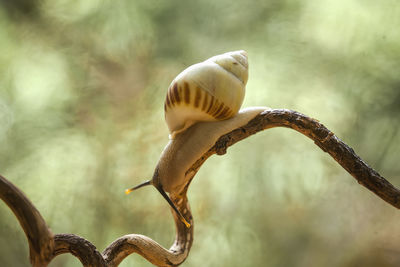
[(81, 118)]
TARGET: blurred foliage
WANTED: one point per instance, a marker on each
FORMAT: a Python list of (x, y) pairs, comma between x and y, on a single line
[(81, 119)]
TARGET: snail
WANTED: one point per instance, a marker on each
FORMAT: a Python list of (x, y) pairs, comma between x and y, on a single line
[(202, 103)]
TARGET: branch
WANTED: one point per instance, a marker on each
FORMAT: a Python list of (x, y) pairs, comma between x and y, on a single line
[(151, 250), (39, 236), (321, 136), (44, 247), (85, 251)]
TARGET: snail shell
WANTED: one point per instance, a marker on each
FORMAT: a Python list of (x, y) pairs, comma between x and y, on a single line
[(208, 91)]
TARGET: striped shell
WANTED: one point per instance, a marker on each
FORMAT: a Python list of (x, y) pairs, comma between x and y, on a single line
[(208, 91)]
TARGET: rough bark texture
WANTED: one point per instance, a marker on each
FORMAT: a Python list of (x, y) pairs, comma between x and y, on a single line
[(44, 246), (85, 251)]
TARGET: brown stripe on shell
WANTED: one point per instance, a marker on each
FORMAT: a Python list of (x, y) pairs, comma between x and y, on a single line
[(211, 105), (167, 101), (186, 92), (214, 107), (175, 92), (205, 102), (171, 96), (218, 110), (197, 97), (225, 113)]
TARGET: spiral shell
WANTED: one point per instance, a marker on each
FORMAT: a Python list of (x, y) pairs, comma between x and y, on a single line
[(208, 91)]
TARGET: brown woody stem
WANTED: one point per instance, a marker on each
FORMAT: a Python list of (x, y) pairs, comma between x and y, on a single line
[(40, 238), (43, 246), (322, 137)]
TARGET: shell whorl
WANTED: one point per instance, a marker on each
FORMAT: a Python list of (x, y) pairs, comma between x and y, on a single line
[(208, 91)]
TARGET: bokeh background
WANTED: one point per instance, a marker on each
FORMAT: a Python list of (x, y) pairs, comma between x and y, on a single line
[(82, 85)]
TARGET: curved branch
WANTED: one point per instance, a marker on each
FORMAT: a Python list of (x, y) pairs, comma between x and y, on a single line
[(43, 247), (39, 236), (150, 249), (140, 244), (322, 137), (85, 251)]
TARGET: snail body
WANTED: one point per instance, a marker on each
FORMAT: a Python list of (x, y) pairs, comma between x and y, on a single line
[(202, 104), (183, 151)]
